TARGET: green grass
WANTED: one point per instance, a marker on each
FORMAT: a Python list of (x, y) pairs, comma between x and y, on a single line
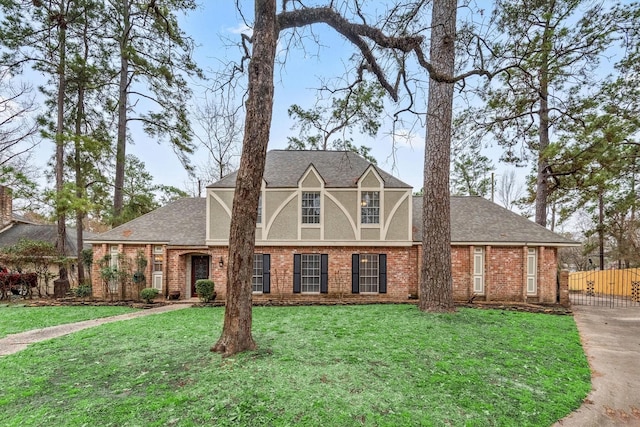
[(378, 365), (15, 319)]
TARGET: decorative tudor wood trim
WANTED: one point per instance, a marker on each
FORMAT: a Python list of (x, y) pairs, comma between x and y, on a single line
[(392, 215), (279, 209), (342, 208)]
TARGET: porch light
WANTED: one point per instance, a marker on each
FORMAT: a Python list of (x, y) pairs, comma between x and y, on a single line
[(221, 262)]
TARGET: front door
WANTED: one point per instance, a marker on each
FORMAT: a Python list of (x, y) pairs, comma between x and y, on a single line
[(199, 270)]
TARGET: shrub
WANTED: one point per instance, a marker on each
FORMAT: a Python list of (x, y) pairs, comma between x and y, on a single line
[(83, 291), (148, 294), (205, 289)]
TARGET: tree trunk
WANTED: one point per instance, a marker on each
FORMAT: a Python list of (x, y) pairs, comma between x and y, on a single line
[(121, 143), (79, 184), (436, 288), (601, 227), (62, 83), (80, 178), (542, 186), (236, 333)]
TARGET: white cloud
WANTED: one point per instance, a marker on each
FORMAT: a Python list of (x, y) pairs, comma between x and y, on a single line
[(241, 29)]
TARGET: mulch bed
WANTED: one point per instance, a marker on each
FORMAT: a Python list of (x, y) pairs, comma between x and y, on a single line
[(494, 305)]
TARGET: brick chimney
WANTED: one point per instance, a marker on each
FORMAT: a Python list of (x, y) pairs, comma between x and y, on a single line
[(6, 206)]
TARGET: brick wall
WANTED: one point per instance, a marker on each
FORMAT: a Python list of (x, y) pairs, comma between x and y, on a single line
[(401, 273), (462, 272), (505, 274), (128, 290), (504, 278)]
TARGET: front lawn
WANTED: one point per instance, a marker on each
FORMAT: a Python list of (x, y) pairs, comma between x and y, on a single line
[(15, 319), (377, 365)]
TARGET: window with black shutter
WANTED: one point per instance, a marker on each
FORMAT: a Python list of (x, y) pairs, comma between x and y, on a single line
[(369, 273)]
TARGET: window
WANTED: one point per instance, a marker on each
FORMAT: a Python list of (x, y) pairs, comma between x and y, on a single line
[(260, 281), (113, 260), (259, 220), (256, 279), (310, 273), (158, 258), (532, 267), (369, 273), (156, 275), (113, 263), (311, 207), (478, 270), (370, 207)]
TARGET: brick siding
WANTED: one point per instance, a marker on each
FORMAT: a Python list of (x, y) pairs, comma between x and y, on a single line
[(504, 272)]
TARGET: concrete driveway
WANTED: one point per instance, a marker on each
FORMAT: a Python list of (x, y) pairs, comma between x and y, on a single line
[(611, 339)]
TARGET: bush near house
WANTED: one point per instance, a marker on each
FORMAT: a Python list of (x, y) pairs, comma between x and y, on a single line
[(149, 294), (206, 290)]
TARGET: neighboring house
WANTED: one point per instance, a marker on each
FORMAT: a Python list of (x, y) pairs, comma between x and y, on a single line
[(331, 226), (14, 228)]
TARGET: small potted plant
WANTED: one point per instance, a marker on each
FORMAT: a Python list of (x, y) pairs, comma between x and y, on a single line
[(206, 290)]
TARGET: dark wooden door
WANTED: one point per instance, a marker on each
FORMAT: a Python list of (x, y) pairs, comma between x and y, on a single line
[(199, 270)]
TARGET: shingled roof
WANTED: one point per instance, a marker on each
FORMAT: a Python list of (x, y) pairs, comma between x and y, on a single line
[(473, 220), (181, 223), (478, 220), (338, 169), (41, 233)]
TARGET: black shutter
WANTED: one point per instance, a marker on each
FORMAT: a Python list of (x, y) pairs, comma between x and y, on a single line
[(382, 273), (296, 273), (324, 273), (355, 274), (266, 273)]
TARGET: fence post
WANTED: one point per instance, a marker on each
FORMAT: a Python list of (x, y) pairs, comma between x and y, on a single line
[(564, 288)]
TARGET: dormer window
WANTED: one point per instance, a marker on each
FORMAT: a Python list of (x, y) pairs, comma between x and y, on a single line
[(311, 207), (370, 207)]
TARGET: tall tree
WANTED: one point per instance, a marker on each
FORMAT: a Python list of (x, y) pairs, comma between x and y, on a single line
[(141, 195), (327, 126), (470, 170), (220, 136), (436, 283), (38, 34), (556, 46), (509, 191), (236, 334), (17, 128), (18, 137), (88, 73), (153, 53)]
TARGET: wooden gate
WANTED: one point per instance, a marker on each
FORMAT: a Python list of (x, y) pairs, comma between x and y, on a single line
[(612, 288)]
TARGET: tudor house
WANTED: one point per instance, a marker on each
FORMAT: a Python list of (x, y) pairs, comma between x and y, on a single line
[(333, 226)]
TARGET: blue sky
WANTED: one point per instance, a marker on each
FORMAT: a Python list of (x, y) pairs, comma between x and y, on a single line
[(294, 83), (215, 21)]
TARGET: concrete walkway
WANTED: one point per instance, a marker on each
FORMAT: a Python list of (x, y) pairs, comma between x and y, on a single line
[(611, 339), (17, 342)]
